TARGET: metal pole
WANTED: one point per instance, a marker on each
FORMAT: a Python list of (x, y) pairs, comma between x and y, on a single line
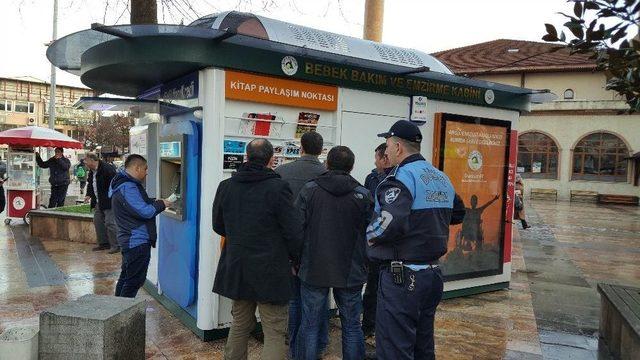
[(52, 97)]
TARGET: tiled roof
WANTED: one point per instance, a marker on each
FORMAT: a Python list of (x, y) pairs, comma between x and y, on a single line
[(512, 56)]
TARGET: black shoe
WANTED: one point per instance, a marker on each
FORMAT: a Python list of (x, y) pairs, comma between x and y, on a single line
[(100, 247), (114, 250)]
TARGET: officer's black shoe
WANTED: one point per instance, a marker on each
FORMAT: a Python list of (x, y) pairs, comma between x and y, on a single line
[(370, 355)]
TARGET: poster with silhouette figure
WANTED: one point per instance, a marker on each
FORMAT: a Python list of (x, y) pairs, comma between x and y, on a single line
[(474, 154)]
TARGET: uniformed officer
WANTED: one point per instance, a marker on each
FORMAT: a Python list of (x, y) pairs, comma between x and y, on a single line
[(414, 206)]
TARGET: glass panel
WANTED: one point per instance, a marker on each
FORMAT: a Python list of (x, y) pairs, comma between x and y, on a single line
[(2, 105), (590, 165), (577, 163), (607, 164), (524, 160), (553, 164), (21, 106), (32, 108), (9, 105), (538, 163)]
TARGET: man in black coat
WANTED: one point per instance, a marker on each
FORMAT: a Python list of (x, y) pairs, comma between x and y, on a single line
[(369, 298), (253, 211), (58, 167), (337, 210), (100, 176)]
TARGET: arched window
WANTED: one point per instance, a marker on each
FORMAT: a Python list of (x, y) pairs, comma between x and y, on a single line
[(568, 94), (600, 157), (537, 156)]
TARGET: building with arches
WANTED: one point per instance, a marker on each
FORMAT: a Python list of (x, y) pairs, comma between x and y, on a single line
[(580, 141)]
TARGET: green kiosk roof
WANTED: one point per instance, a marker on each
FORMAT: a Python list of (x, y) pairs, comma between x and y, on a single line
[(128, 60)]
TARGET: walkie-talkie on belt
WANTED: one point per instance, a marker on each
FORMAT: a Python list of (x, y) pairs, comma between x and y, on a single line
[(397, 272)]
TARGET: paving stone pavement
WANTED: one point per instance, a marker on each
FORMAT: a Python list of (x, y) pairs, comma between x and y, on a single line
[(550, 310)]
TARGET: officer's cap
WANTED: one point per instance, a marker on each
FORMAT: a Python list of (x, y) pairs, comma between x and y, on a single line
[(404, 129)]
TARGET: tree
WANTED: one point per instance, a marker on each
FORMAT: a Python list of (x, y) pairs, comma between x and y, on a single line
[(109, 131), (601, 28), (144, 12)]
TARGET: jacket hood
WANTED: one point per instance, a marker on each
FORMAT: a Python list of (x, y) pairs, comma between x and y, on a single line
[(337, 183), (119, 180), (253, 172)]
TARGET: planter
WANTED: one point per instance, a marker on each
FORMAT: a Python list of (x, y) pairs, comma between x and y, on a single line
[(59, 225)]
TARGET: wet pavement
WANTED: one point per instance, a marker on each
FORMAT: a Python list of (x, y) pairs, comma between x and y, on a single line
[(550, 311)]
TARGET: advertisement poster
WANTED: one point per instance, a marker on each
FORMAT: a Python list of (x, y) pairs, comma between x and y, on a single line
[(474, 154)]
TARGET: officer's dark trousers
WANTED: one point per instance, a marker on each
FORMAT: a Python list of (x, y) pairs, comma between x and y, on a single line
[(135, 262), (370, 298), (405, 315), (58, 194)]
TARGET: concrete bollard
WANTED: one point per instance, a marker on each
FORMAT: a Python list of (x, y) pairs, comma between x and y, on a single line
[(19, 343), (94, 327)]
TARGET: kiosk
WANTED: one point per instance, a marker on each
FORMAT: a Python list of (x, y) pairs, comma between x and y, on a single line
[(232, 77)]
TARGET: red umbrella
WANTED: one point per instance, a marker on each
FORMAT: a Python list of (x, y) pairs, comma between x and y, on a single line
[(38, 136)]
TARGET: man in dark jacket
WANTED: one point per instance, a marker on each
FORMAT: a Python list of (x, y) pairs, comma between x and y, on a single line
[(369, 299), (58, 167), (100, 176), (254, 211), (298, 173), (135, 216), (414, 207), (336, 212)]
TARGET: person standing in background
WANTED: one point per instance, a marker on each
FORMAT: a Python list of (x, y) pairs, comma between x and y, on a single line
[(297, 174), (336, 210), (100, 176), (519, 202), (59, 178), (254, 211), (80, 172), (369, 299)]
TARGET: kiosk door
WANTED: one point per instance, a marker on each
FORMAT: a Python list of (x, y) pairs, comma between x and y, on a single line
[(178, 225)]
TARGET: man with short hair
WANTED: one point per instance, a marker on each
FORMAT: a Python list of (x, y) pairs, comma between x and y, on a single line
[(298, 173), (254, 211), (135, 216), (58, 167), (414, 206), (100, 176), (382, 167), (336, 210)]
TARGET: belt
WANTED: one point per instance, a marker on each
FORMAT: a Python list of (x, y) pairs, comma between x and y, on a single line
[(431, 265)]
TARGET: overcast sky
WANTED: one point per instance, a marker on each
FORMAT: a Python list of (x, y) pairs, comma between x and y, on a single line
[(427, 25)]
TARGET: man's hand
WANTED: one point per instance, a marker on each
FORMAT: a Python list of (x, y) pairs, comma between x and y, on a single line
[(87, 199), (167, 203), (496, 197)]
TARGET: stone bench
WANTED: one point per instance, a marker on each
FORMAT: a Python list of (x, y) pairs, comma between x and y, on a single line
[(618, 199), (584, 196), (544, 194), (620, 320), (94, 327)]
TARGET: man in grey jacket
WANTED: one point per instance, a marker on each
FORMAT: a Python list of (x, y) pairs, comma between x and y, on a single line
[(298, 173)]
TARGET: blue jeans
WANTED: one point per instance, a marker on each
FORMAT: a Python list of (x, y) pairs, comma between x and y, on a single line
[(314, 300), (405, 314), (295, 315), (135, 263)]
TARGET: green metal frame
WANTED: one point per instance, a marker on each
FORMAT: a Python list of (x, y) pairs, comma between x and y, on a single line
[(475, 290), (131, 66)]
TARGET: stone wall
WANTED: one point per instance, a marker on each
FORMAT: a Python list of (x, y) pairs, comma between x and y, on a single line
[(57, 225)]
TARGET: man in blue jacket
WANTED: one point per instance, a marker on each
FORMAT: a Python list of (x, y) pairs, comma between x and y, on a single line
[(414, 207), (135, 216)]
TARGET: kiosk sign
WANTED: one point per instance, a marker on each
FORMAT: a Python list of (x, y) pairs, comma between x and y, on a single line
[(418, 109), (170, 149), (474, 154), (272, 90)]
